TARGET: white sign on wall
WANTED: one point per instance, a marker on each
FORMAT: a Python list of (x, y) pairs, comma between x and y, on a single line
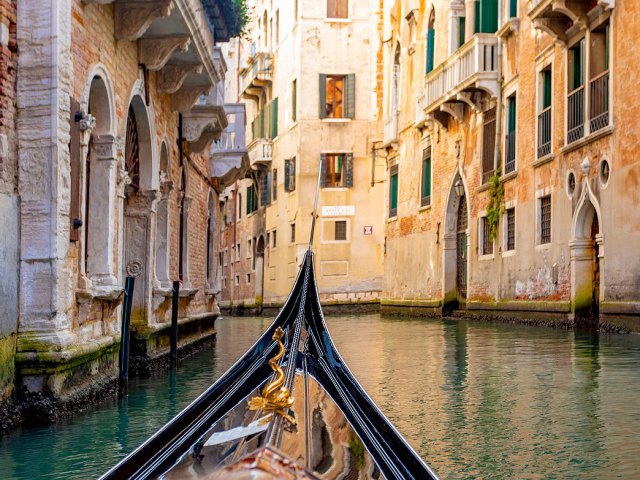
[(339, 211)]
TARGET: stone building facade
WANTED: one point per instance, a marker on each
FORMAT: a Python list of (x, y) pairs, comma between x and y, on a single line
[(306, 75), (509, 131), (118, 104)]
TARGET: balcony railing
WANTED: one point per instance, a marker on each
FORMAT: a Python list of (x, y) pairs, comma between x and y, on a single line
[(544, 133), (260, 151), (391, 128), (473, 65), (575, 115), (510, 154), (258, 74), (599, 102), (232, 138)]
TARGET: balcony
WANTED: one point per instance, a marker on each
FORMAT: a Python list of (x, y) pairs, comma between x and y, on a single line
[(391, 129), (592, 99), (471, 69), (229, 161), (256, 75), (562, 18), (260, 152)]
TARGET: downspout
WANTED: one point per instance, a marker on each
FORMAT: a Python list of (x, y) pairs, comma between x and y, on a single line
[(496, 157)]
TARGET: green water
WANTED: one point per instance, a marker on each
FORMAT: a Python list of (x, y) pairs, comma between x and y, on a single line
[(477, 401)]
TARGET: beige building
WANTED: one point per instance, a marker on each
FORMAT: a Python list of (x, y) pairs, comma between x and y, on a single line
[(512, 159), (307, 77)]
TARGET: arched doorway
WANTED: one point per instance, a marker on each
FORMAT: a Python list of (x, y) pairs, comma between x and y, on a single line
[(586, 260), (139, 209), (455, 245), (259, 266)]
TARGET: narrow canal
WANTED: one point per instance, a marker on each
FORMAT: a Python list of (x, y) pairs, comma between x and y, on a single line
[(476, 400)]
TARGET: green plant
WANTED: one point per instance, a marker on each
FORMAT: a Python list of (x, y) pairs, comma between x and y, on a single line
[(357, 447), (496, 206), (236, 13)]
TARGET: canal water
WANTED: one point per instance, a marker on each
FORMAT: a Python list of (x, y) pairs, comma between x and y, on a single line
[(477, 400)]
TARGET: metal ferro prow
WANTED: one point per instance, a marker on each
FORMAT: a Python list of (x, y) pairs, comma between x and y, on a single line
[(275, 398)]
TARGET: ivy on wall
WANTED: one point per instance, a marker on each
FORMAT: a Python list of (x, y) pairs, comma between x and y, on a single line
[(495, 207), (236, 15)]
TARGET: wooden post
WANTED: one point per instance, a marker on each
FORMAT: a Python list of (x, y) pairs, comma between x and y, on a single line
[(125, 335), (174, 324)]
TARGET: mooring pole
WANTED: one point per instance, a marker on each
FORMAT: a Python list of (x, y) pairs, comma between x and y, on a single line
[(174, 324), (125, 335)]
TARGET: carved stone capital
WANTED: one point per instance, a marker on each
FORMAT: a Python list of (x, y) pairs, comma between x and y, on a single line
[(134, 17), (171, 77), (165, 189), (154, 53), (88, 122), (202, 125), (183, 99), (105, 147)]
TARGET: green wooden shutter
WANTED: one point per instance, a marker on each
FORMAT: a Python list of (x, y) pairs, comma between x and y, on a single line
[(476, 18), (513, 8), (461, 29), (292, 171), (512, 114), (431, 35), (323, 170), (348, 170), (426, 177), (287, 167), (351, 95), (489, 16), (323, 96), (248, 203), (273, 123), (546, 89), (393, 192)]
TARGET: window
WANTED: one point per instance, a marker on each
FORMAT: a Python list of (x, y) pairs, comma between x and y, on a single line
[(237, 280), (510, 141), (249, 247), (273, 239), (265, 188), (545, 219), (513, 8), (431, 38), (225, 256), (237, 252), (511, 229), (486, 16), (393, 191), (239, 201), (425, 191), (340, 230), (337, 96), (274, 184), (544, 117), (337, 170), (265, 124), (292, 238), (487, 241), (488, 142), (599, 77), (294, 101), (575, 101), (461, 30), (290, 174), (277, 29), (252, 199), (248, 278), (337, 9)]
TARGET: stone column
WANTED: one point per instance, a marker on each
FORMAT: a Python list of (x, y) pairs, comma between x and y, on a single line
[(163, 237), (100, 250), (44, 89), (581, 275), (470, 19)]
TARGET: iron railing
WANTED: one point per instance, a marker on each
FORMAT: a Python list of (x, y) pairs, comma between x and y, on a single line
[(575, 115), (544, 133), (599, 102)]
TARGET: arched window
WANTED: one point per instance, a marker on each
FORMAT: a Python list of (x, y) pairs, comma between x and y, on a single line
[(431, 38)]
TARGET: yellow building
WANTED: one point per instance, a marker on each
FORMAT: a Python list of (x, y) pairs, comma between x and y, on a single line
[(512, 160)]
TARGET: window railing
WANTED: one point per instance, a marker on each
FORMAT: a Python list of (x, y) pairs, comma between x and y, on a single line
[(575, 113), (544, 133), (510, 154), (599, 102)]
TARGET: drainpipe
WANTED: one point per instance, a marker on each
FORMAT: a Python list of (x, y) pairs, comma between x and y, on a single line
[(496, 157)]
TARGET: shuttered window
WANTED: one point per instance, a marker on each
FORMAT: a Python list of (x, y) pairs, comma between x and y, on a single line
[(273, 121), (274, 184), (488, 16), (488, 142), (252, 199), (487, 242), (337, 8), (461, 28), (337, 170), (425, 193), (545, 219), (337, 96), (431, 36), (513, 8), (511, 229), (393, 191), (265, 188), (76, 174), (290, 174), (546, 88)]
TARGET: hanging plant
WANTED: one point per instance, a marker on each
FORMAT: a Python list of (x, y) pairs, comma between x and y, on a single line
[(496, 206)]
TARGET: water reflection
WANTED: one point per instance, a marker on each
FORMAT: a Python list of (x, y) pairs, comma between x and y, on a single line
[(475, 400)]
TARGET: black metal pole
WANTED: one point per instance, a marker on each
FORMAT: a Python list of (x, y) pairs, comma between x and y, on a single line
[(125, 335), (174, 324)]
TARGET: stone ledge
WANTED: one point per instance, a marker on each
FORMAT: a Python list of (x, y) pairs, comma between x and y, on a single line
[(620, 307), (148, 330), (521, 306), (72, 355), (411, 303)]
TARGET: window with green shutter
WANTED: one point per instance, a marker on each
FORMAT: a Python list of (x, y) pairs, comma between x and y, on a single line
[(461, 28), (393, 191), (337, 96), (431, 35), (546, 88), (476, 17), (425, 194), (273, 124), (488, 16), (252, 199), (513, 8), (337, 170), (576, 65)]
